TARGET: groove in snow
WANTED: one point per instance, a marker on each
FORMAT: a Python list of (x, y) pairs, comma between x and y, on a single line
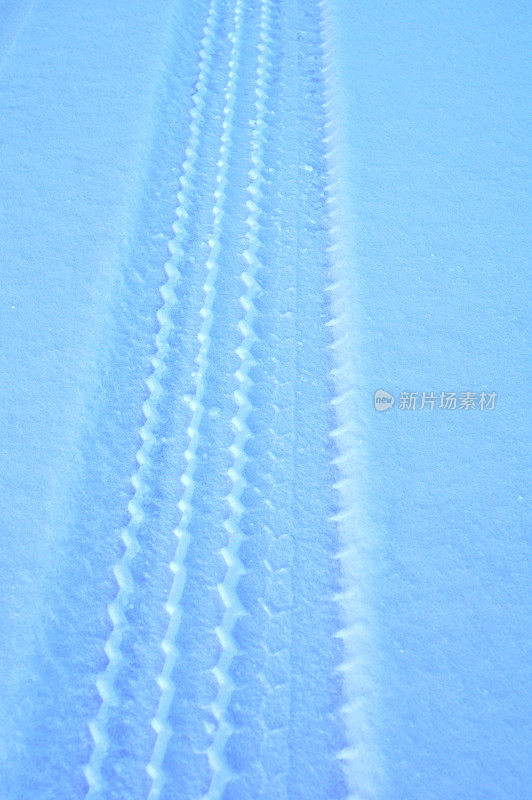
[(228, 588), (106, 681), (361, 758), (185, 505)]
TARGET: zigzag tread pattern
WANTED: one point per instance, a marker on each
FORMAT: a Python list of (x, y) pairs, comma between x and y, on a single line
[(228, 589), (360, 756), (160, 722), (140, 479)]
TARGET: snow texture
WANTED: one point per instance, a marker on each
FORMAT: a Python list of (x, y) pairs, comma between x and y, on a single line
[(224, 573)]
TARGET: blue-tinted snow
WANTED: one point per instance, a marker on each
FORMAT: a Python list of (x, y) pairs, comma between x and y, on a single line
[(431, 104), (78, 89), (436, 110)]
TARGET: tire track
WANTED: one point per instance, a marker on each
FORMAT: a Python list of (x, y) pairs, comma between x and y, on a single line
[(122, 569), (132, 734), (316, 729), (359, 756), (165, 681), (228, 588), (248, 631), (256, 753)]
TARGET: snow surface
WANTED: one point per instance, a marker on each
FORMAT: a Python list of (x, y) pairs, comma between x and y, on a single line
[(224, 226)]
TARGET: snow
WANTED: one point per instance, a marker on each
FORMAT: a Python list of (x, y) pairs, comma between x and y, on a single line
[(434, 111), (224, 572)]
